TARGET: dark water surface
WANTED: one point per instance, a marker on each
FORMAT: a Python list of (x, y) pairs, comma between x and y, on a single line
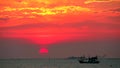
[(57, 63)]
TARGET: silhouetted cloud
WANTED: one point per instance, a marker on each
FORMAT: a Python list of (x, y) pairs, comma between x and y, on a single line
[(4, 19), (115, 19), (116, 10), (89, 23)]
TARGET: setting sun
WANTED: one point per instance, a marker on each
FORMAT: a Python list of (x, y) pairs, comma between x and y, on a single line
[(43, 51)]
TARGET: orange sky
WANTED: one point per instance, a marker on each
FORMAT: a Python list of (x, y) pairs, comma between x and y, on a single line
[(59, 19), (52, 22)]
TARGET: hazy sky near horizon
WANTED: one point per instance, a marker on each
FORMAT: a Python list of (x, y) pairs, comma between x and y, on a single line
[(64, 27)]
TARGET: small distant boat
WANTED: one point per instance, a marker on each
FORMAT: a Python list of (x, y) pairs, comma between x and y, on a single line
[(90, 60)]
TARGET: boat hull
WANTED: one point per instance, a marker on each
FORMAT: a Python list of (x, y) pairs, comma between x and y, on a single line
[(95, 62)]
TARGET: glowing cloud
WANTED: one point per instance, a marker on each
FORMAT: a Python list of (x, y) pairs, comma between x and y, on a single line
[(51, 21), (48, 11), (91, 1), (22, 16)]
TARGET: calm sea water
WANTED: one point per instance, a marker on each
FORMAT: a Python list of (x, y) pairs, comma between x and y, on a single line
[(57, 63)]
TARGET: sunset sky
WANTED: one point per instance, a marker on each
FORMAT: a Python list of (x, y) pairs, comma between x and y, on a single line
[(59, 28)]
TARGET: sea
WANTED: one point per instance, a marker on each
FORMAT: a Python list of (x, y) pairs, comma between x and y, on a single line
[(58, 63)]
